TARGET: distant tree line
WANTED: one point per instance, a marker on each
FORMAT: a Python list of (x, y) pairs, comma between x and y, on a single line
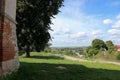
[(71, 51)]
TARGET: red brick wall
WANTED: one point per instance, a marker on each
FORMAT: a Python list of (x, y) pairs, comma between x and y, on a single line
[(8, 47), (0, 45), (1, 71), (0, 41), (8, 41), (7, 50), (1, 27)]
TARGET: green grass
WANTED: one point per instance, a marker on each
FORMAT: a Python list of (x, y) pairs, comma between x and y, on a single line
[(42, 66)]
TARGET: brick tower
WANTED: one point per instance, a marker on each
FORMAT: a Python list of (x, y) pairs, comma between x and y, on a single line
[(8, 43)]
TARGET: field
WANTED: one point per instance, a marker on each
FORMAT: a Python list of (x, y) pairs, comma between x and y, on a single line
[(44, 66)]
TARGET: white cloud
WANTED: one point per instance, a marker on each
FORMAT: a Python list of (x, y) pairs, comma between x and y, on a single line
[(80, 28), (115, 39), (118, 16), (97, 32), (79, 35), (61, 31), (74, 30), (73, 25), (114, 32), (107, 21), (117, 24)]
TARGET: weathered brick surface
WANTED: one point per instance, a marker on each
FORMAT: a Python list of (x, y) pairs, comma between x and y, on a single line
[(8, 50), (1, 71), (0, 42), (8, 43)]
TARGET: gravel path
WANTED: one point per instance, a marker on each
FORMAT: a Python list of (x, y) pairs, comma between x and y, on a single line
[(83, 60)]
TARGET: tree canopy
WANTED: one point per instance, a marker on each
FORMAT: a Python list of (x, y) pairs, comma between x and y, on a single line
[(99, 46), (109, 43), (34, 19), (110, 46), (97, 43)]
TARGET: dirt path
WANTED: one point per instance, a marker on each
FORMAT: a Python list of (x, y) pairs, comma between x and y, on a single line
[(83, 60)]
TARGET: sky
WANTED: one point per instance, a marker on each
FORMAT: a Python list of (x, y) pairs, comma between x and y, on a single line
[(81, 21)]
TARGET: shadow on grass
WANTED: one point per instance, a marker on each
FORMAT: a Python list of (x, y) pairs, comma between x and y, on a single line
[(46, 57), (21, 53), (46, 71)]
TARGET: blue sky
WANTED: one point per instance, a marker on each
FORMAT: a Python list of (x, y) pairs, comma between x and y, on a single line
[(81, 21)]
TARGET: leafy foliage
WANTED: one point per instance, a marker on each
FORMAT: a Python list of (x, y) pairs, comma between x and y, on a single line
[(97, 46), (118, 55), (102, 50), (92, 51), (97, 43), (109, 43), (88, 48), (110, 46), (34, 19)]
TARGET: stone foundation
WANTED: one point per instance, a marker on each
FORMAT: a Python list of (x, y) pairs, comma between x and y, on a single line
[(10, 65)]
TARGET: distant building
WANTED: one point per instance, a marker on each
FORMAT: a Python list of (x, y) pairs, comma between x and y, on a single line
[(118, 47)]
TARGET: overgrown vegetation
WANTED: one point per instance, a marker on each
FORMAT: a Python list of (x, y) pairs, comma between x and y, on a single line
[(110, 47), (118, 56), (44, 66)]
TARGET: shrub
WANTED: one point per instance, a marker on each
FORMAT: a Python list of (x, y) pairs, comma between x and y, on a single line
[(111, 49), (92, 52), (118, 55), (68, 52)]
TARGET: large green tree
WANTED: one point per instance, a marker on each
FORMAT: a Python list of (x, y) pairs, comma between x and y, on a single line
[(109, 43), (33, 23), (110, 46), (98, 44)]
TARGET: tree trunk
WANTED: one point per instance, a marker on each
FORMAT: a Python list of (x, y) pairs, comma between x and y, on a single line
[(28, 51)]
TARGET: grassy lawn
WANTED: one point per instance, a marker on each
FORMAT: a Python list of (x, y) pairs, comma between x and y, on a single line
[(47, 67)]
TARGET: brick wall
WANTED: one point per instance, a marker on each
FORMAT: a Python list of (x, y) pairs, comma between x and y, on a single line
[(9, 45), (0, 41), (8, 42), (1, 71)]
